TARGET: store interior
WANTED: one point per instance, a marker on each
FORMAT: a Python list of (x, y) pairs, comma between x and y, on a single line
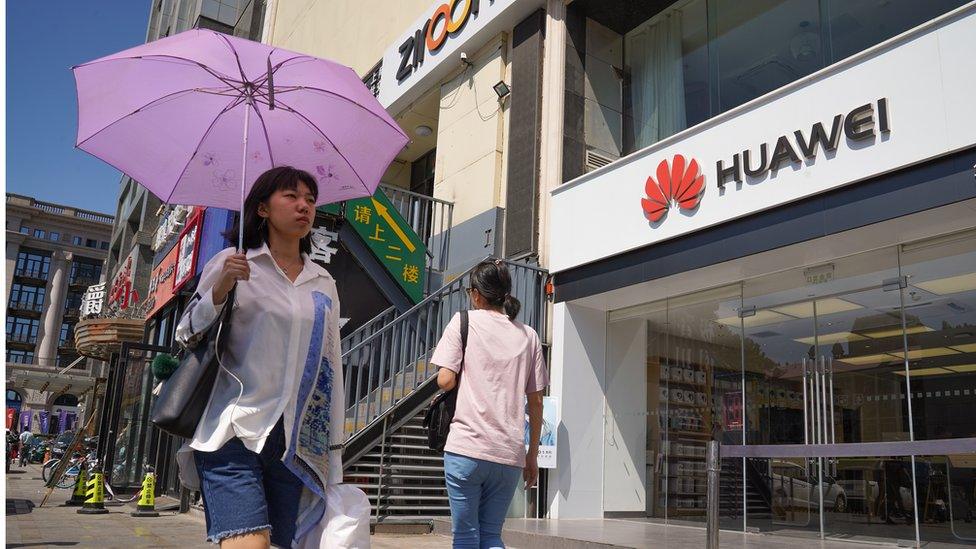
[(874, 347)]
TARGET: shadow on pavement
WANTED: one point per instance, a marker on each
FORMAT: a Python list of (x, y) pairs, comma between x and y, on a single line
[(19, 506), (45, 544)]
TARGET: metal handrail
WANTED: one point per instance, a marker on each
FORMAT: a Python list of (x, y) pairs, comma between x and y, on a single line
[(368, 329), (431, 218), (388, 364)]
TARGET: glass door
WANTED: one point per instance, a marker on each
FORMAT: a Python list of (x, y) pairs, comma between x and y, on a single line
[(824, 364)]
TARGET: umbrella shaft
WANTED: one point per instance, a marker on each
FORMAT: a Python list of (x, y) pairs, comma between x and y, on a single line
[(240, 221)]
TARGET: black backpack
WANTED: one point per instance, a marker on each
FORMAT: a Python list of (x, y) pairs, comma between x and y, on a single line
[(440, 414)]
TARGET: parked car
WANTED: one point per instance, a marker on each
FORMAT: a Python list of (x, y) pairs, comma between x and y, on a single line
[(793, 486)]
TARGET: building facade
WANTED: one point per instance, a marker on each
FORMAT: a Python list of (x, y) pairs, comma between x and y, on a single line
[(54, 253), (765, 236)]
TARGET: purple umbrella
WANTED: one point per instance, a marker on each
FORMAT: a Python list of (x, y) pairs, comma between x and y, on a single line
[(197, 116)]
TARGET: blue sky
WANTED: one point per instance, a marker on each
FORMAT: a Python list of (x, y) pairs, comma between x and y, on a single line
[(44, 40)]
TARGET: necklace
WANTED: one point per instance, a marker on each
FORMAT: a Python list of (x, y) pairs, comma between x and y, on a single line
[(285, 268)]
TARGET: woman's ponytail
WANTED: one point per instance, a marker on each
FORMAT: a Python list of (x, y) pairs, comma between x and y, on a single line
[(512, 306)]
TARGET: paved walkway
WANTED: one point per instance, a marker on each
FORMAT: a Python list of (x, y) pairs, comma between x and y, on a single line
[(54, 526)]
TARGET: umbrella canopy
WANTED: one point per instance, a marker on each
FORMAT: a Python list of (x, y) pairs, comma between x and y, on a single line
[(196, 117)]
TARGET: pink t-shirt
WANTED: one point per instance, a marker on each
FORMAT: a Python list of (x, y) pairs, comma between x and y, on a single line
[(502, 363)]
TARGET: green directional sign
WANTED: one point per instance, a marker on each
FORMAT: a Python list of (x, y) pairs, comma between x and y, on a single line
[(392, 240)]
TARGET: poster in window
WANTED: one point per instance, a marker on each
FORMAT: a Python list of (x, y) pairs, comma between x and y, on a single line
[(189, 249)]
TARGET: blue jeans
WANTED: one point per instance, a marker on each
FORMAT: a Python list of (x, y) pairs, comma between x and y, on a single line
[(480, 492), (246, 492)]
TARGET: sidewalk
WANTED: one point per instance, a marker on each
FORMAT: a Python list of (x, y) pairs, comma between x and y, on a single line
[(56, 526)]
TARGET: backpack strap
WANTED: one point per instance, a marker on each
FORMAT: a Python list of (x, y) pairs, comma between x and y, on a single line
[(464, 336)]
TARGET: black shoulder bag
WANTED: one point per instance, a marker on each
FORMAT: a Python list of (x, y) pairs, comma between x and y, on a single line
[(440, 414), (184, 396)]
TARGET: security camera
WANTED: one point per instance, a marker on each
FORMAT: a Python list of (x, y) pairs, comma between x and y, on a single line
[(464, 59)]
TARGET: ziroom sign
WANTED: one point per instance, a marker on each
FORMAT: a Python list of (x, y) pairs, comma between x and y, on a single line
[(904, 103)]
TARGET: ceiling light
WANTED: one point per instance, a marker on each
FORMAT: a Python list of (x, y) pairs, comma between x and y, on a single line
[(423, 130), (869, 359), (928, 353), (761, 318), (951, 285), (889, 332), (827, 339), (925, 372), (824, 307), (502, 90)]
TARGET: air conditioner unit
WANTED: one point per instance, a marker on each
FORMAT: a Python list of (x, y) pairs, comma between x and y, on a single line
[(596, 160)]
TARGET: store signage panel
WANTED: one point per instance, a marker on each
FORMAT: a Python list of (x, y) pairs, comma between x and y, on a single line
[(394, 243), (867, 118), (432, 46), (188, 249), (161, 282), (123, 293)]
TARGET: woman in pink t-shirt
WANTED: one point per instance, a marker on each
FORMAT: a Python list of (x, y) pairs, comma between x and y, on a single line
[(485, 450)]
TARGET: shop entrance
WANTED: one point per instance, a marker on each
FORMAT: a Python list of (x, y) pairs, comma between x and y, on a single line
[(842, 388)]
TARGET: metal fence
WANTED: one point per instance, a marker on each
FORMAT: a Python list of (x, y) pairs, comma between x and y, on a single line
[(386, 365), (428, 217)]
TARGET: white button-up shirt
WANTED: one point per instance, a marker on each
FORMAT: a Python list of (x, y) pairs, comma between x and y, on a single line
[(269, 342)]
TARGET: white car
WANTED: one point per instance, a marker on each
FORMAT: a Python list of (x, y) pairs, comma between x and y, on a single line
[(791, 486)]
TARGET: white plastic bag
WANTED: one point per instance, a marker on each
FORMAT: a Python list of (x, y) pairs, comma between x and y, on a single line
[(346, 521)]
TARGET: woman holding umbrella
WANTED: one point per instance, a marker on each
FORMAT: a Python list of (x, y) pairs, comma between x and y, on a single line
[(170, 114), (248, 447)]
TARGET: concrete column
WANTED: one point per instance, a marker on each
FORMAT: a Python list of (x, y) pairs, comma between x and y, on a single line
[(553, 117), (50, 330), (578, 378)]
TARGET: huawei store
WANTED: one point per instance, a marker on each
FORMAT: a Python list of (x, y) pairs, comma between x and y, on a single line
[(796, 279)]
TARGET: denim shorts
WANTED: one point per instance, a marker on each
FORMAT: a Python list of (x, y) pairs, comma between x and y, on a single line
[(246, 492)]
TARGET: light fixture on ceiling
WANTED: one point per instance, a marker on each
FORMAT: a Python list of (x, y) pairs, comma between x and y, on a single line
[(423, 130), (502, 90), (805, 46)]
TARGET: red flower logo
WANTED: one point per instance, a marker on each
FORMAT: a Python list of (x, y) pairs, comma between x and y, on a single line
[(680, 185)]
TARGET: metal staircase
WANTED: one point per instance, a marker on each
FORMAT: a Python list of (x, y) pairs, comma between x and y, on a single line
[(389, 383), (758, 504)]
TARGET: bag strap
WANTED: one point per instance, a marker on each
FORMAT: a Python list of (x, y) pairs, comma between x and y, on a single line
[(464, 337)]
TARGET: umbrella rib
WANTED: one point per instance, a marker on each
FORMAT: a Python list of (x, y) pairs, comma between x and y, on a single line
[(360, 105), (163, 57), (267, 139), (150, 104), (230, 106), (236, 56), (274, 69), (313, 125)]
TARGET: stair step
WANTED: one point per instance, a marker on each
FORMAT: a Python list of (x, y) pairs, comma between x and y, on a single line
[(444, 508), (443, 498), (415, 447), (399, 487), (422, 457), (399, 476)]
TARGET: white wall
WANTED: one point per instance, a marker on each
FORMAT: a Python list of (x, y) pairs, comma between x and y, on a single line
[(578, 357), (625, 443)]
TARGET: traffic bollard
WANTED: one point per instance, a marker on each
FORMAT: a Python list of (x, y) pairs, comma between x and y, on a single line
[(714, 467), (78, 495), (147, 502), (94, 495)]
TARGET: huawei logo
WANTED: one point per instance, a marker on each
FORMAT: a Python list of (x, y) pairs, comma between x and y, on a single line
[(680, 185)]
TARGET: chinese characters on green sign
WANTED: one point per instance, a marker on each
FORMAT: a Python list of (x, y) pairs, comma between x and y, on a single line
[(391, 240)]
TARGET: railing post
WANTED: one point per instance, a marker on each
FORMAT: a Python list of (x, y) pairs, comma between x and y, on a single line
[(712, 508)]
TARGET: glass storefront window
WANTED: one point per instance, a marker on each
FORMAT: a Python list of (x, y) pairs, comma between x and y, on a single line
[(674, 382), (668, 65), (695, 59), (940, 305), (875, 347)]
